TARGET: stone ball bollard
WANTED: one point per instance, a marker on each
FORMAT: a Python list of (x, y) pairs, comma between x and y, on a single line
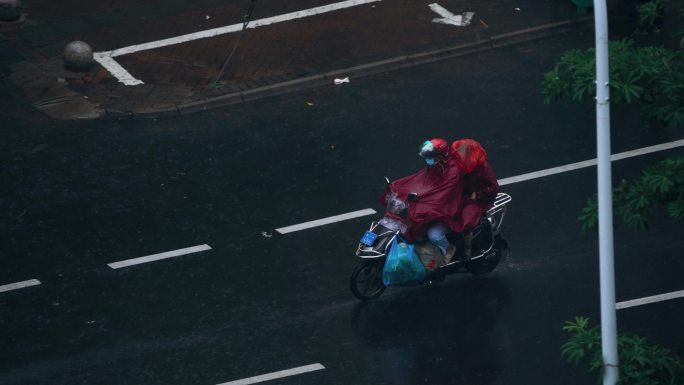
[(10, 10), (78, 55)]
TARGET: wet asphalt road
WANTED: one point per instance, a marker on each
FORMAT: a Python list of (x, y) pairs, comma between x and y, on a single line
[(78, 195)]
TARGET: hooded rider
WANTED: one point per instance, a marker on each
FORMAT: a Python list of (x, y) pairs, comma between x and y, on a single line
[(436, 153), (480, 186), (434, 195)]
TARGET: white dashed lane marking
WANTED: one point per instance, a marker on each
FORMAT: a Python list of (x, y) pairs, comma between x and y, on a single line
[(276, 375), (502, 182), (647, 300), (157, 257), (19, 285), (590, 163), (325, 221)]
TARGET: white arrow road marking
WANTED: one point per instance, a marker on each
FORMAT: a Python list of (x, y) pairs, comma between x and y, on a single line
[(157, 257), (19, 285), (461, 20), (105, 58), (276, 375)]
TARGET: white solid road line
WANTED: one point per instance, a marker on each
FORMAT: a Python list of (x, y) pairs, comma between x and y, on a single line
[(647, 300), (325, 221), (238, 27), (589, 163), (276, 375), (105, 58), (156, 257), (115, 69), (19, 285)]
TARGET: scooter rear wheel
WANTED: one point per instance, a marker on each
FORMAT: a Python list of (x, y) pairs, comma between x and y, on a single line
[(489, 262), (366, 280), (484, 265)]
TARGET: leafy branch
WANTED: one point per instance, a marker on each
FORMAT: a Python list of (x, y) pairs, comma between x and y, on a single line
[(651, 76), (661, 184), (650, 11), (640, 362)]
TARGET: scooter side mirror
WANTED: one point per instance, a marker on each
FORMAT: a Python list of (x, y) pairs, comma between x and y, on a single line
[(412, 196)]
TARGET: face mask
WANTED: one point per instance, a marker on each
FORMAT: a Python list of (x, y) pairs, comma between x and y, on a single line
[(430, 161)]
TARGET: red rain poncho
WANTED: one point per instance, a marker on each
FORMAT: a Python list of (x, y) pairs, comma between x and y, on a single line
[(440, 198), (479, 182)]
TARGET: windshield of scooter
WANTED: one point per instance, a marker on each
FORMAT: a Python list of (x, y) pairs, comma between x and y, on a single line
[(395, 205), (395, 209)]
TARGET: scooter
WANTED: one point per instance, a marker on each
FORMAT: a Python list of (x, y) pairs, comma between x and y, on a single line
[(487, 247)]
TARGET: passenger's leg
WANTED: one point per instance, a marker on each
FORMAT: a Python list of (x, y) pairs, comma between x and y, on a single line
[(437, 235), (468, 238)]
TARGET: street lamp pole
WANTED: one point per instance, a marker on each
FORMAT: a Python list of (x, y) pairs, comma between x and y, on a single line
[(605, 198)]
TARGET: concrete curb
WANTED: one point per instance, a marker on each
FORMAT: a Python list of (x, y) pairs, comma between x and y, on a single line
[(540, 32), (396, 63)]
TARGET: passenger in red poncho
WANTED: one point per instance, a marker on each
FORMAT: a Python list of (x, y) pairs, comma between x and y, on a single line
[(479, 182), (439, 190)]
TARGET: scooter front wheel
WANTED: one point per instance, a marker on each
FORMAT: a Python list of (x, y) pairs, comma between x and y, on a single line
[(366, 280)]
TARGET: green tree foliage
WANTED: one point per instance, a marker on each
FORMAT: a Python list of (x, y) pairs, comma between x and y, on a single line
[(640, 362), (651, 76), (651, 11), (659, 185)]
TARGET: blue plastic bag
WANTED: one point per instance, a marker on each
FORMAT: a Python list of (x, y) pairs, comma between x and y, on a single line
[(402, 267)]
